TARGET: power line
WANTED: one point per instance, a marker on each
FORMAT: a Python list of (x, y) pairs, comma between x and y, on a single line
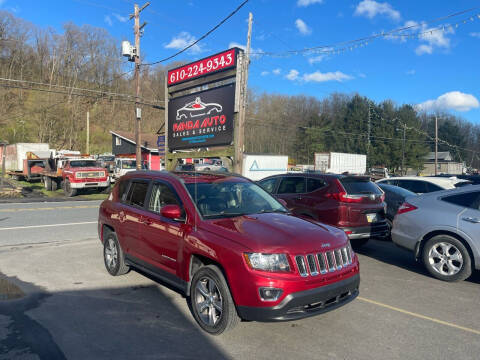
[(101, 93), (76, 94), (347, 45), (202, 37)]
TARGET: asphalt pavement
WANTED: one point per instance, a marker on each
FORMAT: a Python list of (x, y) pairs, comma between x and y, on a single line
[(29, 223), (75, 310)]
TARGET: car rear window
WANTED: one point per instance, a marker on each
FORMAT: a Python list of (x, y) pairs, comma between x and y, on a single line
[(359, 186), (315, 184)]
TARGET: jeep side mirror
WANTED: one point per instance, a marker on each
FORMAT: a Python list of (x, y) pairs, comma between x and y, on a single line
[(171, 212)]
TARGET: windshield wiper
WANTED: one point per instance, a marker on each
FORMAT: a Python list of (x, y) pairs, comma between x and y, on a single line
[(223, 214), (264, 211)]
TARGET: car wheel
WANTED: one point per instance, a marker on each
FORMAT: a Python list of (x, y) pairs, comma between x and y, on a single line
[(113, 256), (446, 258), (358, 243), (211, 302), (68, 190)]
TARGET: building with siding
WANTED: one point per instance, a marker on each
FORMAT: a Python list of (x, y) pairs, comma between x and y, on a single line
[(123, 144)]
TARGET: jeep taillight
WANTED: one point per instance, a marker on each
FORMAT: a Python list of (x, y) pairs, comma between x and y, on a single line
[(406, 207)]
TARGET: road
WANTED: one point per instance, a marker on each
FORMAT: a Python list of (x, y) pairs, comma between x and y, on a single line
[(75, 310), (28, 223)]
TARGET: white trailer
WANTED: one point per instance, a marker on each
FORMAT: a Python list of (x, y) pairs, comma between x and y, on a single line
[(256, 167), (338, 163)]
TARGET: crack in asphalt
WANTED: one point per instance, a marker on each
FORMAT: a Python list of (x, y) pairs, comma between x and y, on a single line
[(24, 334)]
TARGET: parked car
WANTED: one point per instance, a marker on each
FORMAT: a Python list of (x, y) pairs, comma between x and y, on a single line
[(351, 203), (395, 196), (231, 248), (443, 230), (423, 184), (473, 179), (185, 167), (210, 165)]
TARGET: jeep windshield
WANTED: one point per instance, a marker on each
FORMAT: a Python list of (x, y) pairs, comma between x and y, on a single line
[(83, 163), (229, 199)]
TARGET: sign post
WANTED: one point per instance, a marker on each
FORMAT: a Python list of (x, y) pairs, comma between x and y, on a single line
[(202, 104)]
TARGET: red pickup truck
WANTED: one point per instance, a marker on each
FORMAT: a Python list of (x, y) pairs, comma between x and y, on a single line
[(73, 174)]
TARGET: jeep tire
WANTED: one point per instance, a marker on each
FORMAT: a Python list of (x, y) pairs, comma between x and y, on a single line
[(211, 302)]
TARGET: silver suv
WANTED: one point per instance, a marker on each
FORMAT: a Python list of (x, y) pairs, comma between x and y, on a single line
[(443, 229)]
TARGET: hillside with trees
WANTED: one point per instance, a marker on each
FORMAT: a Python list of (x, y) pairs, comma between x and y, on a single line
[(62, 75)]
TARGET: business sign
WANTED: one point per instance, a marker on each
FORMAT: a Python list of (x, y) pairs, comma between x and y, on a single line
[(161, 145), (201, 119), (215, 63)]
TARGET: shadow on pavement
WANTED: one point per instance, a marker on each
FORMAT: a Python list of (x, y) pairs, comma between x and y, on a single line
[(135, 322), (387, 252)]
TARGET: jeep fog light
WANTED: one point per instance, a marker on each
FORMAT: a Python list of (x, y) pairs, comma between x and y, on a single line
[(269, 294)]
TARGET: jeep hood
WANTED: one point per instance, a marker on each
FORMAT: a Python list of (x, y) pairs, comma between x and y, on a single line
[(278, 233)]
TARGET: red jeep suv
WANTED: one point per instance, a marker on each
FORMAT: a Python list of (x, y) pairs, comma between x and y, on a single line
[(351, 203), (231, 248)]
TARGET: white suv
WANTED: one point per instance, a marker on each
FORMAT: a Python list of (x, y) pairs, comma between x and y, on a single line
[(423, 184)]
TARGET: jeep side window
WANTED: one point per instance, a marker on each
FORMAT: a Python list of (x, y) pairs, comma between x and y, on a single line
[(162, 195), (292, 185), (122, 190), (137, 193)]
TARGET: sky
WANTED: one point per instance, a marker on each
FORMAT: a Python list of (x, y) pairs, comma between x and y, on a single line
[(438, 70)]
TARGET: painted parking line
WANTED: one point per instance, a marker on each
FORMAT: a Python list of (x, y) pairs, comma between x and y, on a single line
[(44, 226), (50, 208), (420, 316)]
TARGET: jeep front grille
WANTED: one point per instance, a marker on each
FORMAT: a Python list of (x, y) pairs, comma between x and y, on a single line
[(323, 262)]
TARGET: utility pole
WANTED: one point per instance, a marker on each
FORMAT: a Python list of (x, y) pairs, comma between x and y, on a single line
[(4, 155), (436, 145), (88, 133), (138, 113), (403, 150), (369, 129), (240, 148)]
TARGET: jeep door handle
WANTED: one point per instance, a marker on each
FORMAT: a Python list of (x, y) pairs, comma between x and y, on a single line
[(472, 220), (298, 198)]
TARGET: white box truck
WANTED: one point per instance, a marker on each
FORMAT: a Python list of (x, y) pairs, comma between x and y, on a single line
[(339, 163), (256, 167), (25, 160)]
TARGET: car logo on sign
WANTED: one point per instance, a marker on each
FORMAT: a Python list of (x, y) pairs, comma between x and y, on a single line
[(197, 108)]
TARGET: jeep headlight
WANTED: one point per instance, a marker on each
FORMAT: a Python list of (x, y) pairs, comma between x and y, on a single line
[(267, 262)]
